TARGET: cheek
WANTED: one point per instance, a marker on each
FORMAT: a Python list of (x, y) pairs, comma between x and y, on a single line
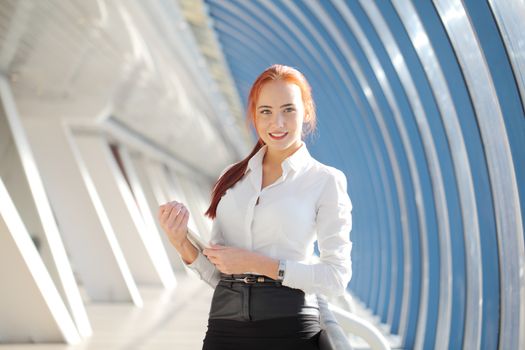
[(260, 125), (296, 124)]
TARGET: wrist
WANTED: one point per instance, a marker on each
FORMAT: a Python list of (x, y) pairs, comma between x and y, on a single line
[(254, 263), (181, 245), (264, 265), (187, 251)]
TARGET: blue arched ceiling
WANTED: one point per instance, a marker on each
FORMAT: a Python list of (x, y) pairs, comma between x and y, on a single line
[(421, 105)]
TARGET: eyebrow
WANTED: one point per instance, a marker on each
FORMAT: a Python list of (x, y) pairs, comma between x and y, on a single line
[(285, 105)]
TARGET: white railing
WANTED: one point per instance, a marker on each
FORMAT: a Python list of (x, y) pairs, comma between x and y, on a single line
[(337, 323)]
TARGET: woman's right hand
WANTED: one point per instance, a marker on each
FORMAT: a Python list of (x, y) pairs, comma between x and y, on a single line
[(173, 217)]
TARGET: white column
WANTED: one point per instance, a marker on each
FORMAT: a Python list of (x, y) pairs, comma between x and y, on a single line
[(31, 309), (94, 251)]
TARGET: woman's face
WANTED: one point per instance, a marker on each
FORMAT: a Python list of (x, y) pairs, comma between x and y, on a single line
[(280, 112)]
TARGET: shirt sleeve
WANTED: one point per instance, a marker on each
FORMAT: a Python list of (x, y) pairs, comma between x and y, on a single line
[(332, 273), (202, 266)]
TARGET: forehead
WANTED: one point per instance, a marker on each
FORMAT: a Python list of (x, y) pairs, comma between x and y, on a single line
[(276, 92)]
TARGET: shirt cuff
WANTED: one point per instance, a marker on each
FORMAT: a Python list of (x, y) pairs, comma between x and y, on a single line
[(318, 278), (198, 263), (297, 275), (204, 269)]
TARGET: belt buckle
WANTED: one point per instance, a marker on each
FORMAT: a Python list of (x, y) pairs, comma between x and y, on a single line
[(249, 279)]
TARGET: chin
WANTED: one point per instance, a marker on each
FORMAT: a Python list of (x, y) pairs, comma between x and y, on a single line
[(281, 145)]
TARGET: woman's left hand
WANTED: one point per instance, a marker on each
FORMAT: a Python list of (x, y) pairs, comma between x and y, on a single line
[(229, 260)]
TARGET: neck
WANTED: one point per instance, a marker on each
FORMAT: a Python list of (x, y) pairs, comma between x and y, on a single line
[(274, 158)]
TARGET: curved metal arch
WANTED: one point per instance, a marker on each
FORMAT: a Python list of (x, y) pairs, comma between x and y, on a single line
[(509, 16), (501, 169), (435, 172), (317, 9), (387, 39), (465, 186), (435, 76)]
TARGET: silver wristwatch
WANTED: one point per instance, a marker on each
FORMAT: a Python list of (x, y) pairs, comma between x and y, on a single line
[(282, 268)]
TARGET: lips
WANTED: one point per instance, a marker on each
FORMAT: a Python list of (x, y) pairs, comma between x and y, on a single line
[(278, 135)]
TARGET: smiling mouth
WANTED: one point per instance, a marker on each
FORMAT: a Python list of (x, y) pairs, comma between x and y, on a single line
[(278, 135)]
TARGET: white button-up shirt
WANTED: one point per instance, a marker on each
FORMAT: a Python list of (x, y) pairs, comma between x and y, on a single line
[(308, 202)]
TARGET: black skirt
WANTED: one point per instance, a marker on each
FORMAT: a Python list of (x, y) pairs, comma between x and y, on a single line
[(251, 316), (286, 333)]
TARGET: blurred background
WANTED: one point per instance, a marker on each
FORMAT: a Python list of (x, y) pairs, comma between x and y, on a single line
[(109, 108)]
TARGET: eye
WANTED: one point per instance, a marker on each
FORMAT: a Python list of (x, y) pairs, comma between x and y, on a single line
[(289, 109), (264, 111)]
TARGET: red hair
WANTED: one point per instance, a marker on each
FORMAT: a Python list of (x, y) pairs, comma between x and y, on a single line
[(272, 73)]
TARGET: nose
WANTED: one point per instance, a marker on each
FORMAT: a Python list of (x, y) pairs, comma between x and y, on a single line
[(279, 119)]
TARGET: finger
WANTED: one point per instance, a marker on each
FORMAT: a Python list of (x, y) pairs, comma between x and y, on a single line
[(166, 214), (163, 214), (172, 205), (209, 253), (179, 218), (168, 207), (186, 218), (173, 215), (162, 208)]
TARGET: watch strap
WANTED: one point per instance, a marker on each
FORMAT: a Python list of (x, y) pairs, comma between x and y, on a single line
[(282, 268)]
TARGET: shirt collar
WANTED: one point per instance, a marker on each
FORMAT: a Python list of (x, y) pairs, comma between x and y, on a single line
[(295, 161)]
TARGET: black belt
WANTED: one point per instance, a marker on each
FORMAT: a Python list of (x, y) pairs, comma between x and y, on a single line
[(247, 278), (250, 300)]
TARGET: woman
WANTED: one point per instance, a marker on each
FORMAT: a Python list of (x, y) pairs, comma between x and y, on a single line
[(268, 210)]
